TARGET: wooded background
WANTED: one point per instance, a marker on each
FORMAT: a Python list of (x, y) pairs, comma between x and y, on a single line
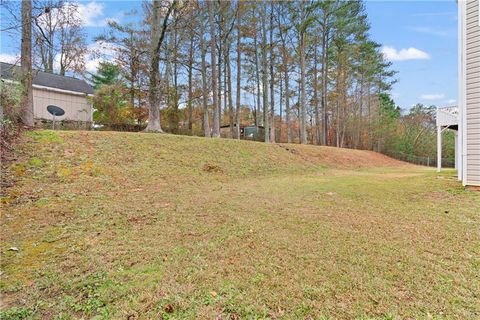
[(307, 71)]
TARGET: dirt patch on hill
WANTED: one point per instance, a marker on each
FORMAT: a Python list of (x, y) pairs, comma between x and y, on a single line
[(342, 157)]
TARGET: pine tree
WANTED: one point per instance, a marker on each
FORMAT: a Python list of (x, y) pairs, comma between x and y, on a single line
[(107, 74)]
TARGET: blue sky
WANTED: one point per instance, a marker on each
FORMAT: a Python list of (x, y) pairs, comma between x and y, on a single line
[(429, 27), (419, 37)]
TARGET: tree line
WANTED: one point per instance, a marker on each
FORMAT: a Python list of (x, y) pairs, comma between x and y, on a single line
[(305, 71)]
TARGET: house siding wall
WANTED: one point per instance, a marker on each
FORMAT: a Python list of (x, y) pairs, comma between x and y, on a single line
[(77, 107), (472, 103)]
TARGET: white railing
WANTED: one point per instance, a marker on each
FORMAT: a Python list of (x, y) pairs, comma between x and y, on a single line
[(447, 116)]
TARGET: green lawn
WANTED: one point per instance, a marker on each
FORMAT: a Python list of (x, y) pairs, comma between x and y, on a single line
[(148, 226)]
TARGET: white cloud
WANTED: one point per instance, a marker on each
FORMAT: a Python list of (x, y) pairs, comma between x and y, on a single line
[(432, 96), (434, 31), (91, 13), (411, 53), (9, 58), (91, 65), (451, 101), (99, 52)]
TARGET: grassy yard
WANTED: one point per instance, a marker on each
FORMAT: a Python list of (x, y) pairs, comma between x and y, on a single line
[(148, 226)]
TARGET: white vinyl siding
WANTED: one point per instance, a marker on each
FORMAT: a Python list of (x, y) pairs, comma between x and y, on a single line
[(472, 95)]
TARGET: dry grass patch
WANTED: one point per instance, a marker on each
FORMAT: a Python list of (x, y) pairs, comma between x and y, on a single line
[(144, 226)]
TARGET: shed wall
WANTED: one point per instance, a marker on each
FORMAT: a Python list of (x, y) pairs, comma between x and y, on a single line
[(77, 107)]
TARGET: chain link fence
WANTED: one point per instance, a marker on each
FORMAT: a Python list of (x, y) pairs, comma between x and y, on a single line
[(422, 161)]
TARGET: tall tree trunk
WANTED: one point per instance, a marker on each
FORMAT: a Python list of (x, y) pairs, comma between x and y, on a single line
[(225, 84), (230, 98), (157, 37), (287, 106), (50, 35), (216, 111), (298, 109), (272, 79), (303, 111), (26, 64), (190, 84), (153, 94), (257, 76), (356, 129), (287, 85), (264, 73), (301, 53), (206, 122), (315, 97), (337, 104), (176, 97), (324, 84), (369, 108), (219, 71), (239, 73), (280, 104), (168, 71)]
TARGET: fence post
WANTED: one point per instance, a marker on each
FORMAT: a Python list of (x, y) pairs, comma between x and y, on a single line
[(428, 161)]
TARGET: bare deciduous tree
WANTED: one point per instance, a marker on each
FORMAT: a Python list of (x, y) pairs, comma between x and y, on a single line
[(60, 41)]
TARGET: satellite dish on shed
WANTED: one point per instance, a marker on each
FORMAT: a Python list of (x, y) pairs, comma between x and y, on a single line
[(55, 112)]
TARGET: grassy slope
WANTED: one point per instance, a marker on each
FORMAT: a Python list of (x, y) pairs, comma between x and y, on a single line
[(143, 225)]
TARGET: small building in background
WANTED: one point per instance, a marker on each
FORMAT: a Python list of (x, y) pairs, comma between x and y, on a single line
[(251, 132), (69, 93)]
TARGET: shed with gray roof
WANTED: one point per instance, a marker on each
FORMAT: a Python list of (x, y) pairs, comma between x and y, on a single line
[(69, 93)]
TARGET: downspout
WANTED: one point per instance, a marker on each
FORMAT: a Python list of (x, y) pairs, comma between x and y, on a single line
[(462, 91)]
